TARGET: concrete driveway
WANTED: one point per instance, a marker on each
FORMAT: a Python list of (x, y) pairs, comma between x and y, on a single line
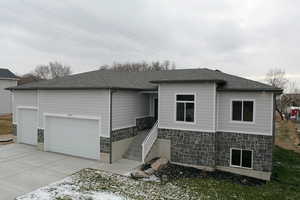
[(23, 168)]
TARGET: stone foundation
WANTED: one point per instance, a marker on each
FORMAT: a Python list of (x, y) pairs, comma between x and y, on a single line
[(40, 133), (40, 138), (124, 133), (190, 147), (261, 145), (105, 145), (145, 123), (212, 150), (14, 129)]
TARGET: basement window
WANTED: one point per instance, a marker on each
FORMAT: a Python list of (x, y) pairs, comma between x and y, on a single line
[(241, 158), (185, 108), (243, 110)]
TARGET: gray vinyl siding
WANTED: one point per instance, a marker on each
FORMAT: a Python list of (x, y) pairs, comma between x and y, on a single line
[(127, 106), (76, 102), (263, 113), (6, 96), (23, 98), (204, 106)]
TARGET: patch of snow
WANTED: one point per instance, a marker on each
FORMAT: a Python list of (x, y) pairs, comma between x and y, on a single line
[(66, 188), (152, 178)]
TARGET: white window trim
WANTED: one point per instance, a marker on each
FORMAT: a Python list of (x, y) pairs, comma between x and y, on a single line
[(242, 122), (175, 108), (237, 166)]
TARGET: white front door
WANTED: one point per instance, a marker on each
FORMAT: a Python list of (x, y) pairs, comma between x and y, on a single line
[(73, 136), (27, 125)]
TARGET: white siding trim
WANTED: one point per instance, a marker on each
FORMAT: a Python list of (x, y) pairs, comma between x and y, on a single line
[(27, 107), (214, 109), (242, 100), (272, 114), (158, 110), (244, 132), (109, 112), (187, 129), (38, 107), (119, 128)]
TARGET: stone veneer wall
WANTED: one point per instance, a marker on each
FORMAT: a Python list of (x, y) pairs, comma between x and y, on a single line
[(105, 145), (145, 123), (14, 129), (124, 133), (213, 149), (261, 145), (40, 137), (190, 147), (117, 135)]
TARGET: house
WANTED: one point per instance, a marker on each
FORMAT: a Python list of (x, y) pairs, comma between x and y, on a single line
[(195, 117), (7, 79)]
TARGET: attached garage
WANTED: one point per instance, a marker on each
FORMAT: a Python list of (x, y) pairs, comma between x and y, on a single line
[(72, 135), (27, 125)]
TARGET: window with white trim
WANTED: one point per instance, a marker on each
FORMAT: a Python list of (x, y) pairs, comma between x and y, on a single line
[(242, 110), (185, 107), (241, 158)]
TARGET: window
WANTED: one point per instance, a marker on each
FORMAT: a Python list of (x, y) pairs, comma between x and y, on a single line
[(241, 158), (185, 108), (242, 110)]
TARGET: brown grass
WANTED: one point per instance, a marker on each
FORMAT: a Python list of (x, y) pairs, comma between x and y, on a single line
[(287, 136), (5, 124)]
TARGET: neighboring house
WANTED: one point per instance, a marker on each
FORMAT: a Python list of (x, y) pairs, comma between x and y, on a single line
[(7, 79), (196, 117)]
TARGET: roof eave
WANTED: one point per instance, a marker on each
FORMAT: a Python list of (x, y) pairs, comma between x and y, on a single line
[(188, 81), (79, 88), (278, 91)]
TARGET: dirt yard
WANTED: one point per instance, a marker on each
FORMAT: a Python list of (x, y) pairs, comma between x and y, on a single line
[(287, 136)]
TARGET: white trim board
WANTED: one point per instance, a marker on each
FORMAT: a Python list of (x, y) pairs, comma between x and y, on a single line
[(187, 129), (244, 132)]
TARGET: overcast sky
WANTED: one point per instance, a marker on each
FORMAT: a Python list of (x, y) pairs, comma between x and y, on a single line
[(245, 37)]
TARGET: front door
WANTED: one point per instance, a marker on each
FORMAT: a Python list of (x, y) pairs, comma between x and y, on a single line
[(155, 109)]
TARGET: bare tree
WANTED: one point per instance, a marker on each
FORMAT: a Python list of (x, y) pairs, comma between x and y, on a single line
[(292, 87), (58, 70), (42, 72), (140, 66), (277, 78), (51, 70)]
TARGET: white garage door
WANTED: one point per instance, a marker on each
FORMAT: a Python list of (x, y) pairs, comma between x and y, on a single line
[(72, 135), (27, 125)]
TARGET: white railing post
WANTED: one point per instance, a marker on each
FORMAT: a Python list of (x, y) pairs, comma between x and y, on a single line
[(149, 141)]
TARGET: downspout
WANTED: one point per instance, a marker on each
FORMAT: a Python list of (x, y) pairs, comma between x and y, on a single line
[(110, 123)]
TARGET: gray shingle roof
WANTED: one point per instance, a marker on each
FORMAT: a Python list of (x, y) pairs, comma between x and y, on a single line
[(6, 73), (146, 80)]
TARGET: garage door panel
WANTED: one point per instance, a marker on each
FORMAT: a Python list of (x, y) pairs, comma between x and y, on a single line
[(27, 126), (78, 137)]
